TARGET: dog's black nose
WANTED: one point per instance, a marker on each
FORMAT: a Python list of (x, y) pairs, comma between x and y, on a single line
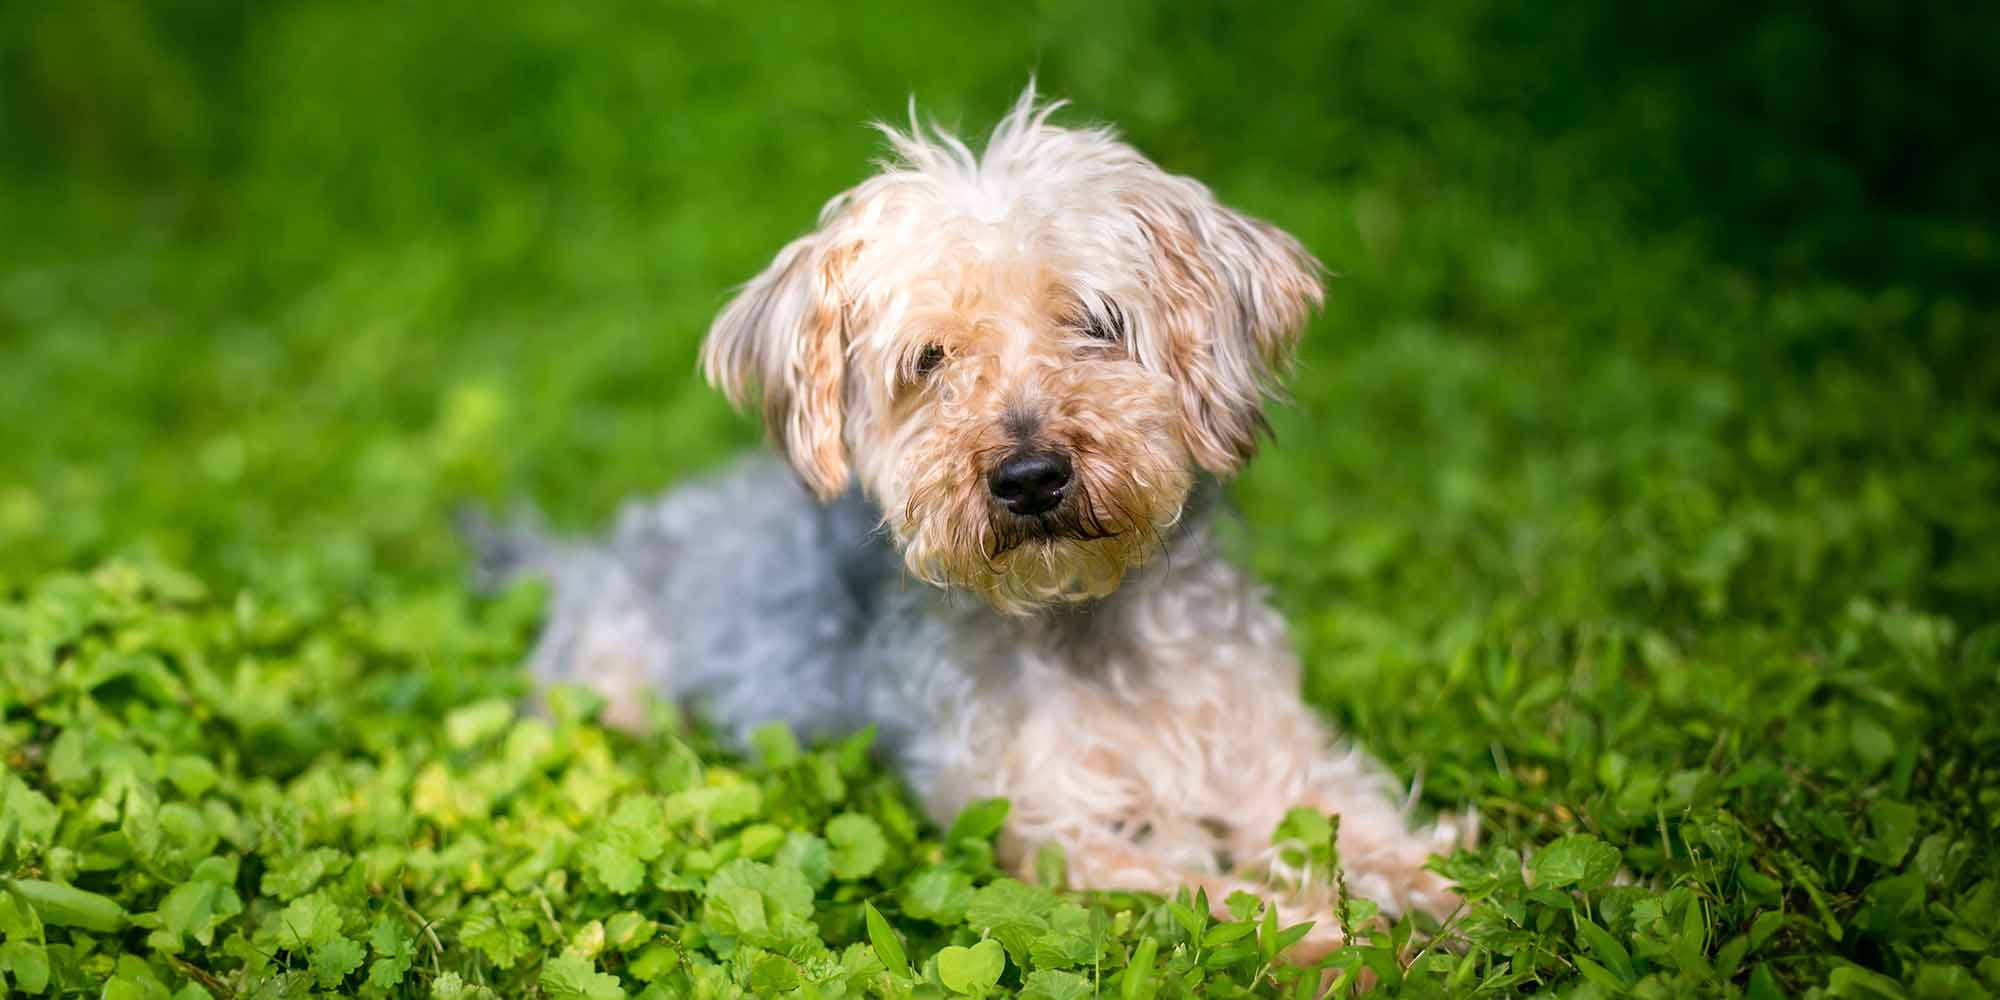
[(1030, 483)]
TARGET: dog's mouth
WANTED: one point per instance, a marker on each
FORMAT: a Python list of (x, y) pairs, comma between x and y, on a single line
[(1078, 518), (1103, 523), (1012, 532)]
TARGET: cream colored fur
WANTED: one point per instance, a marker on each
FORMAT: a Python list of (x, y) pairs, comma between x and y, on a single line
[(1100, 664)]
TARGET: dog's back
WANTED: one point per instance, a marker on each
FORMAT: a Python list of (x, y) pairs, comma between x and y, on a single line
[(738, 594)]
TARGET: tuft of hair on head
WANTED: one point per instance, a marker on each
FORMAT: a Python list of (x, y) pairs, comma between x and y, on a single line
[(930, 148)]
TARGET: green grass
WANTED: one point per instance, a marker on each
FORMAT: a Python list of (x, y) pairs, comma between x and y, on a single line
[(1642, 488)]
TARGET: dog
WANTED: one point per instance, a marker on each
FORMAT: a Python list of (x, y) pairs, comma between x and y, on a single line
[(1007, 386)]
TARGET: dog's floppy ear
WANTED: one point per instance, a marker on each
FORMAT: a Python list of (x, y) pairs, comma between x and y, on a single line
[(784, 339), (1235, 294)]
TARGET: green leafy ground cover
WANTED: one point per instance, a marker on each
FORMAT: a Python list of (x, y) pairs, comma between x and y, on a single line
[(1640, 490)]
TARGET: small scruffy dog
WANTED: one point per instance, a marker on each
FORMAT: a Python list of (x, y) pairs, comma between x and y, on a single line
[(1036, 363)]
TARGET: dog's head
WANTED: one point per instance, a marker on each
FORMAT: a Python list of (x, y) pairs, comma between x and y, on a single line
[(1023, 354)]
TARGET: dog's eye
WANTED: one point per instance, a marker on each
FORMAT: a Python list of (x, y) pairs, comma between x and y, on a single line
[(928, 361), (1107, 325)]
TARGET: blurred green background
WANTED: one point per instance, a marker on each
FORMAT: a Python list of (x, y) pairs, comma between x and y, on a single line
[(1652, 430)]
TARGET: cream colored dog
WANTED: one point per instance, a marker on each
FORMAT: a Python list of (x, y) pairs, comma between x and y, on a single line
[(1010, 382)]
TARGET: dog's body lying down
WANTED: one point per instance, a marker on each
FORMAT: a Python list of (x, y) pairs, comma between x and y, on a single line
[(1151, 732), (1008, 386)]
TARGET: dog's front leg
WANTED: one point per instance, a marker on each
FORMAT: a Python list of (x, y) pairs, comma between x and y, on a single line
[(1181, 787), (1383, 854)]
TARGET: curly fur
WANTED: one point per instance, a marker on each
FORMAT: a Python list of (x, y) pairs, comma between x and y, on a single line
[(1098, 663)]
